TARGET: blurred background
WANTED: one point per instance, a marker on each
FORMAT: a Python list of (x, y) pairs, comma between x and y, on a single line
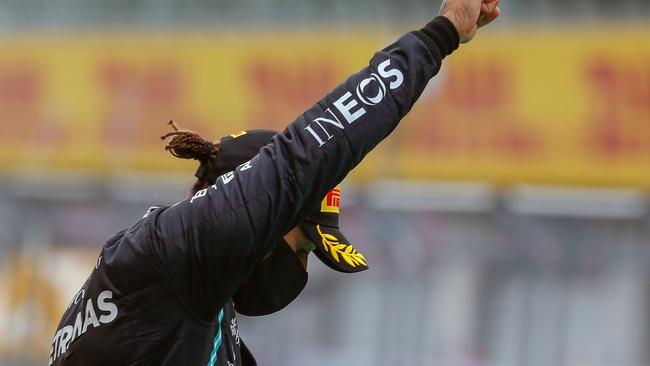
[(506, 221)]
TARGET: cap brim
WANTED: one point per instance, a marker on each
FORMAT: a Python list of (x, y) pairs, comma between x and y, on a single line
[(333, 248)]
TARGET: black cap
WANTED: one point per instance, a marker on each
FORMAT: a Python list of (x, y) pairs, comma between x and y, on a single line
[(332, 247), (234, 150)]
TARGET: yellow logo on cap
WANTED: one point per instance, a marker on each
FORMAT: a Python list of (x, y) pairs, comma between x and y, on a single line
[(240, 133), (349, 254), (332, 201)]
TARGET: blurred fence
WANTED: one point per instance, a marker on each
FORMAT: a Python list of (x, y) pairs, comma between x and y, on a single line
[(66, 14), (464, 281)]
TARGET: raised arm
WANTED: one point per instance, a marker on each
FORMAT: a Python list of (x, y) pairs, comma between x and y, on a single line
[(207, 245)]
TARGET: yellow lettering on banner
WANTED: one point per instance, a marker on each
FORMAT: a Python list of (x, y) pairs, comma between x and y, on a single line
[(540, 109)]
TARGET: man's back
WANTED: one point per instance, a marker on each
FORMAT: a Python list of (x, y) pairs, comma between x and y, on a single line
[(127, 314)]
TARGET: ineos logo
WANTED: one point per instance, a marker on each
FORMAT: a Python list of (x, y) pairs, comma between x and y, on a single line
[(348, 106)]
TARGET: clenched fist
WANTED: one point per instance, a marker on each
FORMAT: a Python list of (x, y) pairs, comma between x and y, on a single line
[(469, 15)]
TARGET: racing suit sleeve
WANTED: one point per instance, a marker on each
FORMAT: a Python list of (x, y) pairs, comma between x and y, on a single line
[(207, 245)]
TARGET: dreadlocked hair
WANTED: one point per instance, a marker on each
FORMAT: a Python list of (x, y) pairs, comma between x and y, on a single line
[(186, 144)]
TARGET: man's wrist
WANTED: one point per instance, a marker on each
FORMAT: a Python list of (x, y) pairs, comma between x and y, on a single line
[(440, 34)]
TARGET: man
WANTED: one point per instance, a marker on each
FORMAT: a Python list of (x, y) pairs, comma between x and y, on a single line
[(164, 290)]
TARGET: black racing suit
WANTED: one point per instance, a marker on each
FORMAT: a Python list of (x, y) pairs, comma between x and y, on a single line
[(160, 291)]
